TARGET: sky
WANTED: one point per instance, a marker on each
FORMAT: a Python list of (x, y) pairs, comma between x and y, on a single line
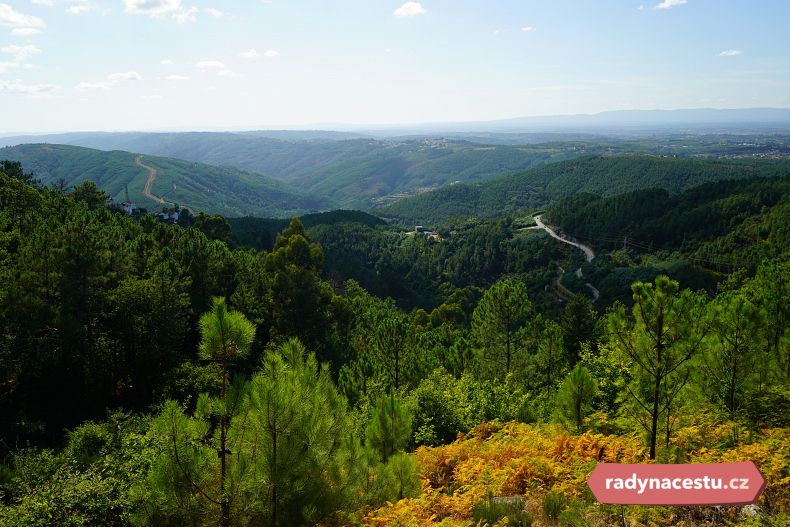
[(70, 65)]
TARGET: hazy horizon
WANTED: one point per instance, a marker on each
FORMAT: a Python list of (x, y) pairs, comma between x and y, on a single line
[(542, 124), (156, 65)]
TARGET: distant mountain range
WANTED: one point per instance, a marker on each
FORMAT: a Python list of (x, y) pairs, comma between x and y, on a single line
[(617, 122), (614, 122)]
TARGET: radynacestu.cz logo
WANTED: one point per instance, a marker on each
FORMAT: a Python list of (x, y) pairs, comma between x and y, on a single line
[(698, 484)]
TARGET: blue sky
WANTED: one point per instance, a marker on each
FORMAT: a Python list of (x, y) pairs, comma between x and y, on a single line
[(214, 64)]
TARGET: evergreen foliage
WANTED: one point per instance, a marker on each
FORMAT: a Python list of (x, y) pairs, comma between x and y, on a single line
[(151, 374), (575, 395), (500, 327), (604, 175)]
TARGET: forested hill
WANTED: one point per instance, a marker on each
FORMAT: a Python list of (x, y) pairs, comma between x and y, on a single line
[(226, 191), (353, 172), (601, 175), (732, 224), (260, 233), (119, 338)]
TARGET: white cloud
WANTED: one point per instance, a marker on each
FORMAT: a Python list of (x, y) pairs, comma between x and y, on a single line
[(34, 90), (527, 29), (124, 76), (111, 80), (730, 53), (215, 66), (152, 7), (7, 66), (409, 9), (186, 15), (92, 86), (159, 8), (165, 62), (253, 54), (21, 53), (666, 4), (216, 13), (49, 3), (78, 7), (25, 31), (177, 78), (14, 19), (206, 65)]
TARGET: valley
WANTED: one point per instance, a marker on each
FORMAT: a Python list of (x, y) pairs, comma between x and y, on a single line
[(205, 188), (588, 255), (412, 263), (476, 318)]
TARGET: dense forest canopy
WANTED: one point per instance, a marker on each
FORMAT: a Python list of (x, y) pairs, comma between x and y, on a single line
[(342, 371), (356, 170), (348, 173), (201, 187), (604, 175)]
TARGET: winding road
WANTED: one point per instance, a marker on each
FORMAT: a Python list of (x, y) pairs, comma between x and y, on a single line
[(149, 183), (588, 254)]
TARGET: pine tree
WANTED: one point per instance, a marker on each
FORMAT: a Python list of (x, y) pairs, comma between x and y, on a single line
[(662, 335), (300, 425), (575, 395), (736, 326), (549, 359), (393, 351), (500, 326), (389, 429), (185, 482), (290, 457), (578, 326), (226, 336)]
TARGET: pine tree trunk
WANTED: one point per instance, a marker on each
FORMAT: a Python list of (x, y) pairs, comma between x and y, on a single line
[(654, 428), (274, 475), (223, 436)]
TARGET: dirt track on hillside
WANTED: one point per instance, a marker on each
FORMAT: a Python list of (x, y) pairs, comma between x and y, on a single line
[(149, 183)]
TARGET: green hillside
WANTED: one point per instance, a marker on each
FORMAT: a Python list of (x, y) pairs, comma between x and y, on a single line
[(359, 172), (202, 187), (418, 164), (725, 225), (260, 233), (601, 175), (120, 336), (353, 172)]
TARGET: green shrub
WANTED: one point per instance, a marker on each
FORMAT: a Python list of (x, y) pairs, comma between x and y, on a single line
[(437, 417), (494, 508), (553, 506), (87, 442)]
